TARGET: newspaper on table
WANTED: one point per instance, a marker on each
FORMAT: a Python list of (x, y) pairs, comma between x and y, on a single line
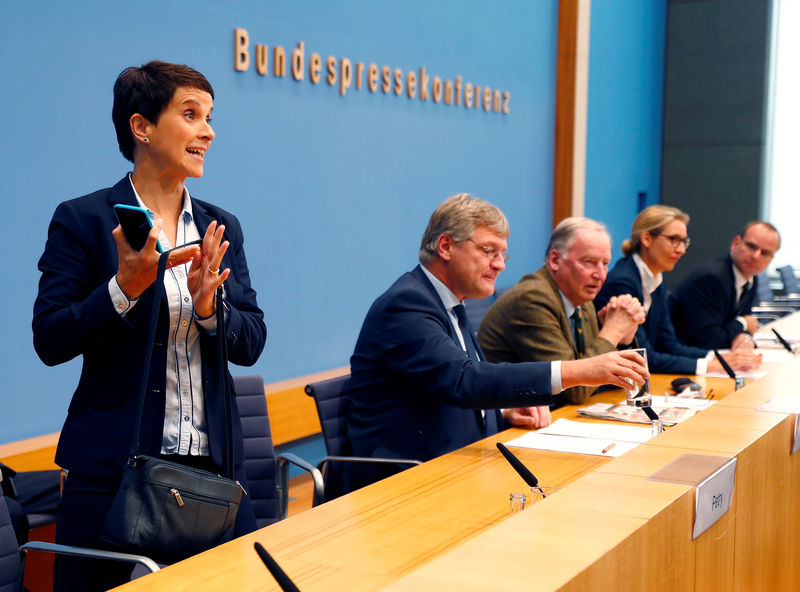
[(668, 415)]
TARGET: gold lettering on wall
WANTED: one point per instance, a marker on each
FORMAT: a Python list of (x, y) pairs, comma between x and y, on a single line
[(262, 59), (345, 74), (391, 80), (297, 61), (241, 56), (372, 77), (278, 61), (437, 89), (314, 67)]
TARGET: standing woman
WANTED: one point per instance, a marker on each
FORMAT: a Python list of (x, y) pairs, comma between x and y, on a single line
[(94, 300), (659, 238)]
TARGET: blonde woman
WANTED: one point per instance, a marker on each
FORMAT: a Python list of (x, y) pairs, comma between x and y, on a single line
[(659, 239)]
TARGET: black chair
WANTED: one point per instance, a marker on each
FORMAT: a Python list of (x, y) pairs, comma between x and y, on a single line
[(267, 475), (267, 478), (789, 279), (12, 566), (330, 397), (36, 494), (12, 558), (476, 309), (767, 306)]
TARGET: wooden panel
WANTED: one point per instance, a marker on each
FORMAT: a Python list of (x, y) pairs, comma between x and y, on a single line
[(33, 454), (572, 73), (763, 533), (292, 413)]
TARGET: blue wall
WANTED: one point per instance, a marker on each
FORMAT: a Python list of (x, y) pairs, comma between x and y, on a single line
[(333, 192), (625, 111)]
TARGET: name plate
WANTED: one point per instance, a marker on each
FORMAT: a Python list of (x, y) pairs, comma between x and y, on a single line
[(786, 404), (796, 443), (713, 497)]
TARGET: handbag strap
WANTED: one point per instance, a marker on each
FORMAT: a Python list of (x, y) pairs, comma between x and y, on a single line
[(222, 357)]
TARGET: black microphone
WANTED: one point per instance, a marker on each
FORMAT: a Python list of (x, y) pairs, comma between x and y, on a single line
[(725, 365), (286, 584), (521, 469), (784, 343), (648, 411)]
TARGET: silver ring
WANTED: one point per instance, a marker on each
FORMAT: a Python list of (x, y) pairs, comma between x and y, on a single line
[(213, 271)]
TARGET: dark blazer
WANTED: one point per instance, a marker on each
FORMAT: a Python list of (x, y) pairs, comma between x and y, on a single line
[(528, 323), (665, 353), (703, 306), (74, 316), (414, 392)]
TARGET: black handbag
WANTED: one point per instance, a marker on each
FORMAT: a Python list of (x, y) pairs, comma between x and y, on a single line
[(165, 510)]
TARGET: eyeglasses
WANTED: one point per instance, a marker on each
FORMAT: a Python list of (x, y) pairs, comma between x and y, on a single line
[(675, 240), (755, 249), (490, 252)]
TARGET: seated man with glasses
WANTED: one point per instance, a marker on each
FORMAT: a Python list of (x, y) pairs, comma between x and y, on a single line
[(549, 315), (711, 307), (420, 384)]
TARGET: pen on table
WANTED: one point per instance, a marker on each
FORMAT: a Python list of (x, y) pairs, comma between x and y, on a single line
[(607, 448), (710, 394), (725, 364), (784, 343)]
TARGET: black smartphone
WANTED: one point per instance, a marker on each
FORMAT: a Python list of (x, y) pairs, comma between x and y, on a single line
[(682, 383), (136, 225)]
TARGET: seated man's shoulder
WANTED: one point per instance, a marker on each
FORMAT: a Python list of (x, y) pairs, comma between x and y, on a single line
[(408, 291), (708, 276)]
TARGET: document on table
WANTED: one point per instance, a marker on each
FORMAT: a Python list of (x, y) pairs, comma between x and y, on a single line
[(753, 374), (775, 356), (681, 402), (768, 338), (564, 435), (782, 404)]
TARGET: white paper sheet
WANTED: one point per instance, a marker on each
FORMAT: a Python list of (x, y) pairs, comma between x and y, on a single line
[(776, 356), (573, 444), (682, 402), (755, 374), (579, 437), (782, 404)]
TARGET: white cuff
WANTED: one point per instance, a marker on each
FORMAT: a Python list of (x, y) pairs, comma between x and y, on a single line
[(555, 377), (702, 364), (122, 304)]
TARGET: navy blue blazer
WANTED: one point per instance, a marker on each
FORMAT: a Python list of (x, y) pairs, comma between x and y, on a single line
[(665, 353), (703, 306), (74, 316), (414, 391)]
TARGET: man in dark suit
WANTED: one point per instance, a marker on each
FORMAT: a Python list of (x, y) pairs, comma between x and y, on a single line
[(549, 315), (420, 384), (711, 308)]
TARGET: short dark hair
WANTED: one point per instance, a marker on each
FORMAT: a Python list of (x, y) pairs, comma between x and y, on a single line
[(147, 90), (763, 223)]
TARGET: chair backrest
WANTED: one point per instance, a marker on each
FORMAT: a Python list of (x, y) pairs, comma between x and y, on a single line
[(790, 285), (764, 293), (476, 309), (259, 452), (330, 398), (11, 566)]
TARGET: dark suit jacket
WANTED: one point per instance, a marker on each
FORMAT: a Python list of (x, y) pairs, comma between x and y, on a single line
[(414, 392), (665, 353), (528, 323), (703, 306), (74, 316)]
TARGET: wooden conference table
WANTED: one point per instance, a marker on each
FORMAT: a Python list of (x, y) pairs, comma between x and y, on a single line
[(445, 525)]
